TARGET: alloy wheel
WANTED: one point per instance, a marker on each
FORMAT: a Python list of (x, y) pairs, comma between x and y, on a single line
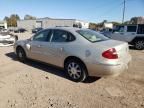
[(139, 45), (20, 54), (74, 70)]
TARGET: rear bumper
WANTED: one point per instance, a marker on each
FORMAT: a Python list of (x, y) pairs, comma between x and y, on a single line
[(102, 70)]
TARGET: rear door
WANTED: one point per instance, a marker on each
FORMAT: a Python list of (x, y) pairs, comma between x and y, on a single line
[(60, 41), (130, 33), (118, 34), (125, 33)]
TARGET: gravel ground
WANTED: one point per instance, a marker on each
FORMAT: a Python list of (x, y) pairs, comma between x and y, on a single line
[(35, 85)]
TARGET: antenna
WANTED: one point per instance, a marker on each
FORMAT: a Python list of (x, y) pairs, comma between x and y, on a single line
[(123, 18)]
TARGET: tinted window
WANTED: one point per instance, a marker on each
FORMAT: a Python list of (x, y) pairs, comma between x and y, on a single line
[(92, 36), (119, 29), (71, 37), (140, 29), (131, 28), (62, 36), (43, 36)]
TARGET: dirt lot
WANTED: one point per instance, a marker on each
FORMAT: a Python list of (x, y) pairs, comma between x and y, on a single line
[(35, 85)]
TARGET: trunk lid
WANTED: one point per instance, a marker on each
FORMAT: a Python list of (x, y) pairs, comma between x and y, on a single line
[(122, 48)]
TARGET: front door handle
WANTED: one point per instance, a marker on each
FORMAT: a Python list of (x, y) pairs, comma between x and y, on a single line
[(61, 48)]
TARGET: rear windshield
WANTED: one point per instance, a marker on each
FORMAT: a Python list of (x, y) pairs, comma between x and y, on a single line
[(92, 36)]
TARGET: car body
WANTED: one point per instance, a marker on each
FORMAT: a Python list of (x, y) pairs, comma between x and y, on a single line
[(20, 30), (7, 39), (76, 49), (3, 30), (105, 31), (133, 34), (36, 30)]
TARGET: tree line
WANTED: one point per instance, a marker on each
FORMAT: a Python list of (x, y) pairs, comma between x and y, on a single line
[(133, 20), (12, 19)]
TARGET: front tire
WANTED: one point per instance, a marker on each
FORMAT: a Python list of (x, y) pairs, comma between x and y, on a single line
[(76, 70), (21, 54), (139, 44)]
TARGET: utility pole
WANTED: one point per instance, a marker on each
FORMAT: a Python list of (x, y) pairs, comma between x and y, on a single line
[(123, 18)]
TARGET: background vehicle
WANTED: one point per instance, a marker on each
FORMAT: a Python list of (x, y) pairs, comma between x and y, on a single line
[(20, 30), (133, 34), (7, 39), (36, 30), (105, 31), (81, 52)]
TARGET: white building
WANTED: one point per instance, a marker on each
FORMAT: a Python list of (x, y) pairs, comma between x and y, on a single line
[(49, 22), (3, 24), (108, 25)]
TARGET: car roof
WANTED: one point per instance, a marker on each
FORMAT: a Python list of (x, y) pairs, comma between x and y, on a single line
[(71, 29)]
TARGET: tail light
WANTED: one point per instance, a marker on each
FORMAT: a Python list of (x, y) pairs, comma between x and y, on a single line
[(110, 54)]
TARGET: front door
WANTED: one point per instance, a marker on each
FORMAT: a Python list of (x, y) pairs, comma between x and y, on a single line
[(38, 45), (118, 34)]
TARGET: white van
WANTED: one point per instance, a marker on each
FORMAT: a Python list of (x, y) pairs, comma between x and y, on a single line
[(133, 34)]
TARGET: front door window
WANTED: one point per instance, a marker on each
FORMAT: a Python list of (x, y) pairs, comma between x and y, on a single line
[(43, 36)]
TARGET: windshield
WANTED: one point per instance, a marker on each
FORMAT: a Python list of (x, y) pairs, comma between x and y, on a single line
[(92, 36)]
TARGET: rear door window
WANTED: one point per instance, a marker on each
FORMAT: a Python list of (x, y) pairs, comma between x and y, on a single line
[(131, 28), (62, 36), (140, 29), (119, 29)]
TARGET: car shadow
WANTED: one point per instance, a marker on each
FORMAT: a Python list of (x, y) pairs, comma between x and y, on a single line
[(132, 48), (49, 68)]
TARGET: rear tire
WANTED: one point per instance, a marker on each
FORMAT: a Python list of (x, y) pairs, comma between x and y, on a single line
[(21, 55), (139, 44), (76, 70)]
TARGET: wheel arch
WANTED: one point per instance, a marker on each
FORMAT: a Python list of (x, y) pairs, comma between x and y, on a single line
[(76, 58), (135, 39), (19, 46)]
